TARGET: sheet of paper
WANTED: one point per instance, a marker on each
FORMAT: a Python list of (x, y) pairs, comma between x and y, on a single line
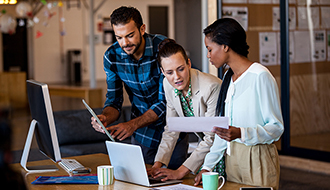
[(310, 2), (267, 48), (324, 2), (291, 47), (308, 18), (276, 18), (325, 17), (260, 1), (234, 1), (238, 13), (319, 48), (196, 124), (278, 1), (302, 47), (177, 187)]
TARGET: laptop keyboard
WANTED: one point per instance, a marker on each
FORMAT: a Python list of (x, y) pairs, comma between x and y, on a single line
[(70, 164), (153, 180)]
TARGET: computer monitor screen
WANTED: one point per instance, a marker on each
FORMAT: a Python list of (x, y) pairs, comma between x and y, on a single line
[(42, 113)]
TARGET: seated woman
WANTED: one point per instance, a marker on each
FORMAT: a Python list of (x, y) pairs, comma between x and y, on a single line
[(189, 93), (249, 97)]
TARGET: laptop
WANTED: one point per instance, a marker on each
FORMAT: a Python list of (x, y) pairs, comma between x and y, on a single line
[(129, 165)]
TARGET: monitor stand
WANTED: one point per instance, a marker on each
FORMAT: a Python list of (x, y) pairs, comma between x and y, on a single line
[(26, 151)]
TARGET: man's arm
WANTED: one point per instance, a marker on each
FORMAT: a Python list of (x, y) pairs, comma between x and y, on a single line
[(124, 130)]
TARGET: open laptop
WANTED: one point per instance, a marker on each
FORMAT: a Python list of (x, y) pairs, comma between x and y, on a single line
[(129, 165)]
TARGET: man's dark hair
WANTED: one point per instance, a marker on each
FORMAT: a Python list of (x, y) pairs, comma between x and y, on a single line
[(124, 15)]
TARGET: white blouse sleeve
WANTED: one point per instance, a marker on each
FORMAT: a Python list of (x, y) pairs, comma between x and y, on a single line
[(269, 103), (216, 152)]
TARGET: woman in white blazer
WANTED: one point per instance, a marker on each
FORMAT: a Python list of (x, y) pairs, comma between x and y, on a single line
[(188, 92)]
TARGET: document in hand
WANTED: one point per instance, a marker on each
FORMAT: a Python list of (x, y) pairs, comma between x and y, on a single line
[(196, 124)]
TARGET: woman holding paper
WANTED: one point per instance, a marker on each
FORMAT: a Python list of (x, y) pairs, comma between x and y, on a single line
[(249, 97), (189, 93)]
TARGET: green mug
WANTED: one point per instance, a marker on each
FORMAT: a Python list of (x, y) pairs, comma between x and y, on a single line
[(211, 181)]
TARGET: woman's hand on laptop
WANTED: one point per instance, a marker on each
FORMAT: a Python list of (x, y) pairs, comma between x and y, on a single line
[(170, 174), (151, 171)]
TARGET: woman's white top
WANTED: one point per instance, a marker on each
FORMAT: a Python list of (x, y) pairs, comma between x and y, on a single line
[(252, 104)]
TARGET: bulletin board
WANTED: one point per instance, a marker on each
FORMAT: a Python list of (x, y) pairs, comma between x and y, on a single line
[(309, 56), (260, 19)]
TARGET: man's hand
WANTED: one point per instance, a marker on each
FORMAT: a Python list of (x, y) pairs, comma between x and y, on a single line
[(123, 130), (198, 178), (96, 125), (227, 134)]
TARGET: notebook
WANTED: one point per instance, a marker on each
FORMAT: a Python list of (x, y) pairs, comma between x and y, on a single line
[(129, 165)]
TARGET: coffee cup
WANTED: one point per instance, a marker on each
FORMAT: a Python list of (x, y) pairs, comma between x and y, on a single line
[(211, 181), (105, 174)]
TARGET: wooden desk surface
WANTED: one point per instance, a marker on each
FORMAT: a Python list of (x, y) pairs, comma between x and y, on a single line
[(92, 161)]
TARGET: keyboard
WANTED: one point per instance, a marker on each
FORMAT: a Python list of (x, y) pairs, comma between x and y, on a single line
[(70, 164), (155, 180)]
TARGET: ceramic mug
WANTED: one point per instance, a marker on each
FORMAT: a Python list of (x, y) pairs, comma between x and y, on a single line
[(105, 175), (211, 181)]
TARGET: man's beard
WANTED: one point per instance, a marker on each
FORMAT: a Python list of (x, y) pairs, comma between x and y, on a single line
[(137, 46)]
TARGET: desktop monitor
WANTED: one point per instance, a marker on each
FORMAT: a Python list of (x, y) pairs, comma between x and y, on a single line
[(42, 126)]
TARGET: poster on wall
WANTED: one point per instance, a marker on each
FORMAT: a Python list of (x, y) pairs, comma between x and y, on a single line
[(319, 51), (276, 18), (302, 46), (291, 47), (267, 48), (308, 19), (325, 17), (238, 13)]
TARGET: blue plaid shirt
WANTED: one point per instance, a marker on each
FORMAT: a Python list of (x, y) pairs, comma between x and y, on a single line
[(143, 81)]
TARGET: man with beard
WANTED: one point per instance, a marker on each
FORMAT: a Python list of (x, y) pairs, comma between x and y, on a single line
[(132, 62)]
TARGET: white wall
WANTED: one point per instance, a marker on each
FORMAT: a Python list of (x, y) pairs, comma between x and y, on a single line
[(50, 50)]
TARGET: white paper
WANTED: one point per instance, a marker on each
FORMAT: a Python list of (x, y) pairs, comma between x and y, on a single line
[(260, 1), (177, 187), (234, 1), (310, 2), (276, 18), (291, 47), (278, 1), (325, 17), (238, 13), (324, 2), (196, 124), (308, 18), (318, 50), (302, 46), (267, 48)]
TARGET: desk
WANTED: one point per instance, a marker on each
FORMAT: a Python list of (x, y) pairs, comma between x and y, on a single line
[(92, 161), (93, 96)]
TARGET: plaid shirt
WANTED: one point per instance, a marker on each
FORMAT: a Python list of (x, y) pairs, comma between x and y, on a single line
[(143, 82)]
